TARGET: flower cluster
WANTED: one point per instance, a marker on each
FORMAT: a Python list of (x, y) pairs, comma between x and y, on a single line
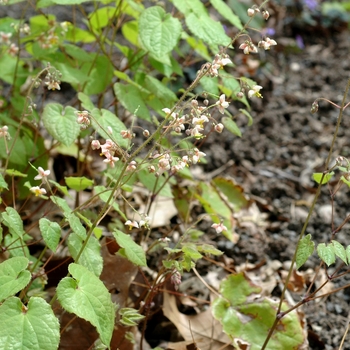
[(4, 132), (219, 62), (108, 149), (42, 175), (5, 39), (144, 222), (52, 80), (83, 118)]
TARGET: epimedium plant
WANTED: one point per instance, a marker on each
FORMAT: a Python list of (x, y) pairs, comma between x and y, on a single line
[(123, 62)]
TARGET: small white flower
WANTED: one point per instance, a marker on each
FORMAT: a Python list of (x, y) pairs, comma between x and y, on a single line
[(131, 224), (219, 227), (38, 191), (218, 128), (267, 43), (248, 47), (95, 144), (250, 12), (42, 173), (255, 91), (222, 104)]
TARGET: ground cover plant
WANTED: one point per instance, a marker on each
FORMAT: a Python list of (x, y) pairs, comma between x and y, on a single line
[(106, 108)]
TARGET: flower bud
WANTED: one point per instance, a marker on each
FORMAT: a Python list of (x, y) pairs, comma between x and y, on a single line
[(265, 15), (240, 94), (314, 107), (145, 133), (218, 128), (250, 12)]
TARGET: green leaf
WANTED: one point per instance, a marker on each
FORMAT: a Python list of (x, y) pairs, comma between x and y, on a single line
[(101, 17), (33, 327), (191, 251), (208, 248), (305, 248), (326, 253), (63, 189), (76, 225), (86, 296), (100, 72), (102, 119), (245, 315), (13, 276), (91, 256), (132, 251), (16, 237), (153, 183), (62, 204), (130, 32), (69, 2), (205, 28), (3, 183), (339, 251), (318, 177), (85, 101), (78, 183), (130, 317), (71, 75), (104, 195), (51, 232), (61, 123), (231, 126), (347, 251), (226, 12), (13, 221), (131, 99), (248, 115), (159, 32), (210, 85), (233, 192)]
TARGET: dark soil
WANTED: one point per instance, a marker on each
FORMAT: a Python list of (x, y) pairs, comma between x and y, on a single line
[(275, 159)]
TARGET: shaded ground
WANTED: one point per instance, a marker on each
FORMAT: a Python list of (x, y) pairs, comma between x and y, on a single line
[(277, 155)]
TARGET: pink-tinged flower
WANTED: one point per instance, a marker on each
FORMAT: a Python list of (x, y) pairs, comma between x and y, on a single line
[(248, 47), (5, 37), (250, 12), (196, 132), (222, 104), (164, 164), (266, 15), (42, 173), (255, 91), (83, 118), (126, 134), (131, 224), (53, 85), (218, 128), (13, 49), (4, 132), (197, 155), (175, 279), (167, 111), (110, 159), (95, 144), (144, 221), (219, 227), (200, 121), (267, 43), (131, 166), (38, 191)]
